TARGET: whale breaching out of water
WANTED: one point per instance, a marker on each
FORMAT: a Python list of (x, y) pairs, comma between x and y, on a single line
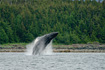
[(40, 44)]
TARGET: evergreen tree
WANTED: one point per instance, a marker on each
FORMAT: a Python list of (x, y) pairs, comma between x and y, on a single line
[(76, 21), (3, 36)]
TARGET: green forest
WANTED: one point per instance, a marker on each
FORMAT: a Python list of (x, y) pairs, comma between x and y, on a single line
[(21, 21)]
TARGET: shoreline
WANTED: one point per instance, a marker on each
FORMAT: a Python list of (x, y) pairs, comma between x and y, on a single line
[(21, 47), (57, 50)]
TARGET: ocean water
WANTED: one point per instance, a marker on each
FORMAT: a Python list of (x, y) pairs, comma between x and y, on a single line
[(57, 61)]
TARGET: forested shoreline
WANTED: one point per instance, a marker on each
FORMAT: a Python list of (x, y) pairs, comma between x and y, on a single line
[(76, 21)]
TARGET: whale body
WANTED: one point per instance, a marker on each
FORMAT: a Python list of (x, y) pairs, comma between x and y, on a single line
[(42, 42)]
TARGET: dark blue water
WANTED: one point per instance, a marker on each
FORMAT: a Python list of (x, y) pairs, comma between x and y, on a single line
[(57, 61)]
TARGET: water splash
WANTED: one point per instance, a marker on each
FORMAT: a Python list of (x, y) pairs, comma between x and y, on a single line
[(47, 51)]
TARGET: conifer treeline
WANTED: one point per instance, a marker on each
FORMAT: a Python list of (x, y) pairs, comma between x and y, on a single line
[(76, 21)]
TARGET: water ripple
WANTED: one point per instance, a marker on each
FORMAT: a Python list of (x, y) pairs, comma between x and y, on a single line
[(57, 61)]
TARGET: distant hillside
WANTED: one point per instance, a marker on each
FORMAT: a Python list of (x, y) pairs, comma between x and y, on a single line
[(76, 21)]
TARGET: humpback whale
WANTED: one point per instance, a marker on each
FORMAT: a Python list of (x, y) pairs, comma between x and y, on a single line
[(42, 42)]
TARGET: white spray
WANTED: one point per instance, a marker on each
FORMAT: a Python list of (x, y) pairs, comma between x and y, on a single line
[(47, 51)]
